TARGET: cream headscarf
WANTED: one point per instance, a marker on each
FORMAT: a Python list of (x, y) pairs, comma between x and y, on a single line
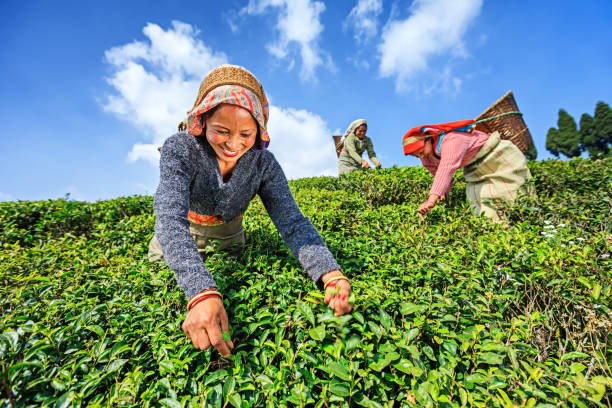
[(351, 129)]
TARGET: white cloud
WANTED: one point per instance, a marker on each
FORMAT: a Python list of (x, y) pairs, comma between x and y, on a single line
[(231, 17), (6, 197), (359, 62), (442, 82), (434, 28), (176, 51), (363, 19), (298, 22), (153, 92), (156, 81), (142, 151), (302, 143)]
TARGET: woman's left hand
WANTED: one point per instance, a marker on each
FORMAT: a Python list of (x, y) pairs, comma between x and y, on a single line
[(428, 205), (425, 208), (337, 293)]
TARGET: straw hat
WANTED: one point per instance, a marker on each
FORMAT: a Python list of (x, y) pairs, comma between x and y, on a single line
[(230, 75), (227, 74)]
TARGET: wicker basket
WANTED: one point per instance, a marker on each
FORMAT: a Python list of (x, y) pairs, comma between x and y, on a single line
[(338, 144), (510, 127)]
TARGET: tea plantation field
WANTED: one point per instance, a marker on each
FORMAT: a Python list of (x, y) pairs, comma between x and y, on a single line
[(451, 312)]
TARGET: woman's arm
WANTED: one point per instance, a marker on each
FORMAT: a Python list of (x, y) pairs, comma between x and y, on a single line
[(300, 235), (349, 146), (206, 321), (452, 150), (295, 229), (430, 166), (371, 153), (171, 205)]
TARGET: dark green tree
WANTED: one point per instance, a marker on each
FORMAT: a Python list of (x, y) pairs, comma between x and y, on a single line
[(565, 139), (596, 132), (603, 128), (531, 153), (551, 141), (587, 134)]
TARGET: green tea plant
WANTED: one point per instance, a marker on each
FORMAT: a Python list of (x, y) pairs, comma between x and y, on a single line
[(451, 312)]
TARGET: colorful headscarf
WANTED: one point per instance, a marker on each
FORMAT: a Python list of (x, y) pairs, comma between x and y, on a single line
[(230, 80), (353, 126), (414, 139)]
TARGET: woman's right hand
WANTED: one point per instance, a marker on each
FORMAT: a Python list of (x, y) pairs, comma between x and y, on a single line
[(205, 323), (365, 164), (337, 294)]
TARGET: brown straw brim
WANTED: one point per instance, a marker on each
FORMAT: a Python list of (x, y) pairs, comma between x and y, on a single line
[(229, 75)]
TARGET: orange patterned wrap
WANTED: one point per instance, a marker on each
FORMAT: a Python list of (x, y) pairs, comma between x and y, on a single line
[(207, 220)]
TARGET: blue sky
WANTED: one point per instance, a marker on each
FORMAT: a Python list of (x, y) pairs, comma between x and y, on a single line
[(90, 88)]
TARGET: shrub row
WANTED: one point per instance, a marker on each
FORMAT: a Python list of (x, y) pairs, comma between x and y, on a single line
[(451, 312)]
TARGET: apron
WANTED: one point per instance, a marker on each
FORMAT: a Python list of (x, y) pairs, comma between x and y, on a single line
[(207, 231), (346, 164), (497, 172)]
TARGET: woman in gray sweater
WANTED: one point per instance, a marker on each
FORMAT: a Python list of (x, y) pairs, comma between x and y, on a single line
[(209, 173)]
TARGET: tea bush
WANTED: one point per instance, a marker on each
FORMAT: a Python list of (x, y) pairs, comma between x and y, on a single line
[(454, 311)]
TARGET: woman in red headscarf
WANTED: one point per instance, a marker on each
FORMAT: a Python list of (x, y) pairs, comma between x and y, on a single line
[(493, 169)]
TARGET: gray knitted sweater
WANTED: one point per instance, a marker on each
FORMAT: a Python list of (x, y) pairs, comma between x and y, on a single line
[(190, 179)]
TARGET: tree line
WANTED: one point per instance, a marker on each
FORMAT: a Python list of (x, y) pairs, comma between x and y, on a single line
[(594, 135)]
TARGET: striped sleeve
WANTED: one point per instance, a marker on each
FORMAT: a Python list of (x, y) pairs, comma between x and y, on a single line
[(430, 165), (452, 150)]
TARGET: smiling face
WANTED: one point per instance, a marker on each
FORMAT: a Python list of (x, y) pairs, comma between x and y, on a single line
[(231, 131), (361, 131)]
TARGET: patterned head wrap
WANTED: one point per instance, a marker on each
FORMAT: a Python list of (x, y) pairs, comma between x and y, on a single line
[(414, 139), (353, 126), (234, 85)]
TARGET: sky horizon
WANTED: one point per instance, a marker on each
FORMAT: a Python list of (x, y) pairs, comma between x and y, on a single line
[(91, 89)]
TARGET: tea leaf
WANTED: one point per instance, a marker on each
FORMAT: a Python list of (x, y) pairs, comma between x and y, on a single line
[(317, 333)]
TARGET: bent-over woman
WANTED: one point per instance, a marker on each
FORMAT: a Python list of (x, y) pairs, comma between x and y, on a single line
[(493, 169), (209, 174), (355, 143)]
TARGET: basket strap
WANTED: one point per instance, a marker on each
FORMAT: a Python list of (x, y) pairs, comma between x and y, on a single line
[(497, 116), (478, 121)]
